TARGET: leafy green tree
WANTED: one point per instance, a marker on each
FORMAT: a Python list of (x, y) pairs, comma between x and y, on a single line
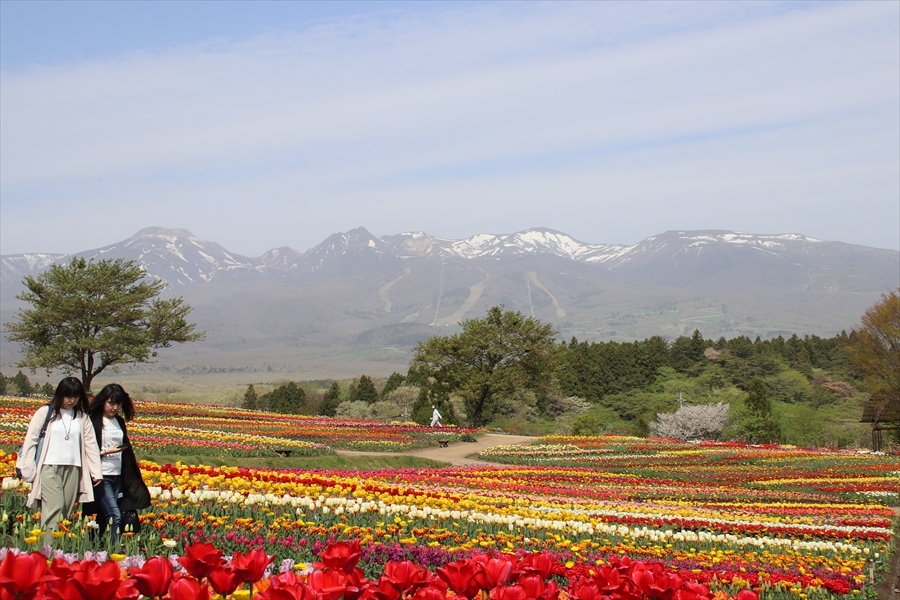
[(48, 390), (876, 349), (330, 400), (4, 384), (89, 315), (251, 400), (586, 424), (286, 399), (759, 424), (497, 354), (393, 382)]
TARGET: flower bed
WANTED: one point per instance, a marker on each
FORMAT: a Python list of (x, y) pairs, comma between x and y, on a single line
[(203, 571), (170, 428), (780, 520)]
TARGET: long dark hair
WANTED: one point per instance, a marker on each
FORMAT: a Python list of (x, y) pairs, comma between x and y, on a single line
[(70, 387), (119, 395)]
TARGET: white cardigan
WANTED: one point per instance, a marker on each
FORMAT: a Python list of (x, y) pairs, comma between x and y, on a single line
[(90, 457)]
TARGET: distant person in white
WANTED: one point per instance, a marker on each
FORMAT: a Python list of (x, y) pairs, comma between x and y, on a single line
[(436, 417)]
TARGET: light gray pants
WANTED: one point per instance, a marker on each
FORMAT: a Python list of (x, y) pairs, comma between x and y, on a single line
[(59, 490)]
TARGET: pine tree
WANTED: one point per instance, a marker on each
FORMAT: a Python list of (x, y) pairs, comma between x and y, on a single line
[(365, 390), (250, 398), (330, 401), (759, 425), (20, 384), (393, 382)]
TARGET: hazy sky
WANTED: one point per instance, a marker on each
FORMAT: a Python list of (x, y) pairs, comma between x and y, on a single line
[(260, 125)]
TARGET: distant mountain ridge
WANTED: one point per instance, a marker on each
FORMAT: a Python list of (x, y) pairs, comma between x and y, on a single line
[(376, 295), (181, 258)]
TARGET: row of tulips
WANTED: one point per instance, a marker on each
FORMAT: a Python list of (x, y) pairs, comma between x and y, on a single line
[(789, 472), (159, 436), (170, 428), (203, 572)]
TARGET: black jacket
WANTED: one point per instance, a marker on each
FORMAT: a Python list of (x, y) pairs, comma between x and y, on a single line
[(135, 495)]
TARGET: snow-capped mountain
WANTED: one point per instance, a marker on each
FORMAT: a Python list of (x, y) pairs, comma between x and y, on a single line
[(180, 258), (14, 267), (528, 242), (177, 256), (383, 293)]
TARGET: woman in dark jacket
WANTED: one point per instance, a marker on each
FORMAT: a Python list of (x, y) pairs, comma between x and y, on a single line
[(122, 488)]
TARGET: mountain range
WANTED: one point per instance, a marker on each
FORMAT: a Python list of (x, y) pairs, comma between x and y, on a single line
[(357, 302)]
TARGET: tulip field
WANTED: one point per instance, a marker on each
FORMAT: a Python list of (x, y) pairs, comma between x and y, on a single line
[(568, 518), (197, 430)]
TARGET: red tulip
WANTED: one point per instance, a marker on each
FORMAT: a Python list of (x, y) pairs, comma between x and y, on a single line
[(383, 590), (460, 577), (56, 590), (747, 595), (224, 580), (201, 559), (692, 591), (585, 590), (431, 592), (551, 592), (403, 574), (250, 567), (538, 563), (659, 585), (508, 592), (62, 569), (188, 588), (286, 579), (612, 580), (64, 587), (24, 576), (496, 571), (328, 585), (293, 592), (340, 555), (127, 591), (153, 578), (357, 584), (532, 585), (656, 583), (96, 581)]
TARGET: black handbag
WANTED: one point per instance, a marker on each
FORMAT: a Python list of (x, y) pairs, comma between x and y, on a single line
[(131, 523), (40, 442)]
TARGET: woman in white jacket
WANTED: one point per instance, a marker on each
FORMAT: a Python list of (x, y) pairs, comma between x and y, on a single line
[(69, 462)]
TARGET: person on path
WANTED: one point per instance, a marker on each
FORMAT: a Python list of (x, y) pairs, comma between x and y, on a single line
[(123, 487), (436, 417), (68, 465)]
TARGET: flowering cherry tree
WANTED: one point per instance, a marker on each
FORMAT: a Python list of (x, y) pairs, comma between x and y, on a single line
[(701, 422)]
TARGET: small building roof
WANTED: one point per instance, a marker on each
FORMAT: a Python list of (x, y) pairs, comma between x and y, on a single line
[(881, 410)]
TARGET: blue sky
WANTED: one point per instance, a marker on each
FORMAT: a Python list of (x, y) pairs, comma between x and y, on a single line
[(259, 125)]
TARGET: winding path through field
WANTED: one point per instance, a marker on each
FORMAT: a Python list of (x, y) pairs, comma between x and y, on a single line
[(455, 454)]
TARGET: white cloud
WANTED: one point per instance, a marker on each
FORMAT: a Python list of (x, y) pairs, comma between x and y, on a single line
[(478, 117)]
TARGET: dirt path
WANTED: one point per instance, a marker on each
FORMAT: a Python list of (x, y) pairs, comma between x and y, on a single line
[(455, 454)]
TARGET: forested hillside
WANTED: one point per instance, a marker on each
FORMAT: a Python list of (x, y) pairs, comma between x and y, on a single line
[(810, 381)]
